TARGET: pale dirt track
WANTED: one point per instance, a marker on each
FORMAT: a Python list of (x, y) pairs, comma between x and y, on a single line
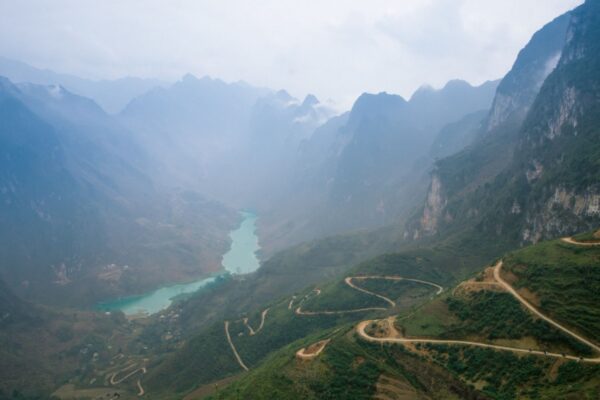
[(361, 331), (570, 240), (534, 310), (143, 370), (253, 332), (140, 388), (348, 281), (235, 353), (305, 355), (362, 325)]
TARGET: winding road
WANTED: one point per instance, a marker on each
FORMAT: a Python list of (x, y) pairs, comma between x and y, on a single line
[(570, 240), (497, 268), (396, 338), (304, 353), (348, 281), (235, 353), (143, 370), (253, 332)]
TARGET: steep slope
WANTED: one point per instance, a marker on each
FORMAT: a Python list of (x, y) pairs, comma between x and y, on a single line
[(294, 312), (232, 141), (454, 177), (456, 136), (550, 186), (371, 171), (80, 218), (463, 239), (438, 350)]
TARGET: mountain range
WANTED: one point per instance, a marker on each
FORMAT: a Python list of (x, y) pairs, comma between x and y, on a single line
[(440, 247)]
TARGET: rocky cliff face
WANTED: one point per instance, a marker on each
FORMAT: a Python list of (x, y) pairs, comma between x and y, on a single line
[(551, 185), (563, 132), (564, 212), (535, 62), (434, 207)]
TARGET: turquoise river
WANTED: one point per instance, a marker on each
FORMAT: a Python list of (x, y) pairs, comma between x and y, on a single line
[(240, 259)]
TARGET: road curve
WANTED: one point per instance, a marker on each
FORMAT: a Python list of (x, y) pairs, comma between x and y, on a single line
[(348, 281), (570, 240), (534, 310), (116, 382), (360, 329), (235, 353), (253, 332), (362, 325), (140, 388), (302, 354)]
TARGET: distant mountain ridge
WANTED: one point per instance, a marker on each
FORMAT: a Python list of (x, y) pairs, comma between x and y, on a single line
[(366, 169), (112, 95), (76, 200)]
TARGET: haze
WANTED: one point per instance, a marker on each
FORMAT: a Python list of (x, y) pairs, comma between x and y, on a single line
[(333, 49)]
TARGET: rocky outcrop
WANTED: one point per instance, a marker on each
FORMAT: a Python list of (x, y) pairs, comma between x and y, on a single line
[(564, 213), (565, 115), (434, 206)]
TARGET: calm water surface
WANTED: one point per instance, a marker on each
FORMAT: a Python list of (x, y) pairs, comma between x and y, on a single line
[(240, 259)]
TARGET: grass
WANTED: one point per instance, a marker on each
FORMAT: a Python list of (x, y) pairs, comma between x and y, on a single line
[(564, 278), (588, 237), (430, 321)]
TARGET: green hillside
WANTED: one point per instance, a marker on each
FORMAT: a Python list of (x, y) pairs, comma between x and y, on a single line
[(479, 311)]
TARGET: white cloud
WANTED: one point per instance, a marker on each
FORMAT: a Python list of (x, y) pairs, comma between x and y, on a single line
[(335, 49)]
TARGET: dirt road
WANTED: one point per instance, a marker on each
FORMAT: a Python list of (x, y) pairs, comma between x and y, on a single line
[(497, 268), (570, 240), (235, 353), (253, 332), (348, 281), (312, 351), (530, 307)]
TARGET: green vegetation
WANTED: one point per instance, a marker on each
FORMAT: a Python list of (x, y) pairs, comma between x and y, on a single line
[(344, 371), (506, 375), (404, 293), (494, 315), (340, 296), (564, 280), (189, 367), (208, 356), (593, 237)]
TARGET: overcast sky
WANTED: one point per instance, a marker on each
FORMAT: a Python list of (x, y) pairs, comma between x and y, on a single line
[(335, 49)]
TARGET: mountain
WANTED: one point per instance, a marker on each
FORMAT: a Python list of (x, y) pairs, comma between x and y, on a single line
[(111, 95), (535, 62), (477, 225), (450, 290), (363, 361), (206, 132), (456, 136), (492, 152), (80, 218), (365, 169)]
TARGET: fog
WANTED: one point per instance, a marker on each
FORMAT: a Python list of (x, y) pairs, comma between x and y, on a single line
[(333, 49)]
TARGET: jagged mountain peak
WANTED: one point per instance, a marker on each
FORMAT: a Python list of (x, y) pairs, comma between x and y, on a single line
[(310, 100)]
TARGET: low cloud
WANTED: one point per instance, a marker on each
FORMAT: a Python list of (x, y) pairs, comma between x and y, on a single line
[(333, 49)]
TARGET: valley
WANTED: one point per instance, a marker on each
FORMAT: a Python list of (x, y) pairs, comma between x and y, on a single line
[(239, 259), (191, 237)]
